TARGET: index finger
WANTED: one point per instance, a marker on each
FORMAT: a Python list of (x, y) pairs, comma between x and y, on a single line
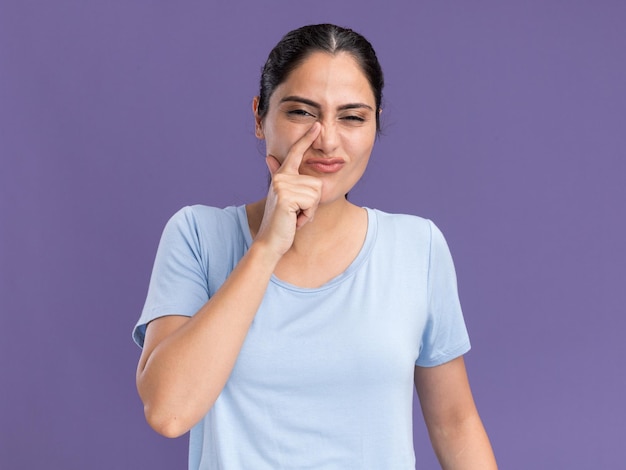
[(296, 152)]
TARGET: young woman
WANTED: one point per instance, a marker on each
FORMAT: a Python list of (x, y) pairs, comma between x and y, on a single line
[(288, 333)]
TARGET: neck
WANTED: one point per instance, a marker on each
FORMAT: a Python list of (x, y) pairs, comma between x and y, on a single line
[(331, 223)]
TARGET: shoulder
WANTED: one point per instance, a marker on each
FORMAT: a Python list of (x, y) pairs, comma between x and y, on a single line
[(409, 232), (405, 225), (199, 226), (200, 218), (198, 214)]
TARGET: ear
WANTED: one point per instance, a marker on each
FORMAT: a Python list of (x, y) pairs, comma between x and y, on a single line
[(258, 122)]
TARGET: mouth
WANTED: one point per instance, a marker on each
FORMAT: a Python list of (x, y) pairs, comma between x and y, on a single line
[(325, 165)]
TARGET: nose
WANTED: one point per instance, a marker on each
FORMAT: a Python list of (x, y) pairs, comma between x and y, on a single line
[(328, 139)]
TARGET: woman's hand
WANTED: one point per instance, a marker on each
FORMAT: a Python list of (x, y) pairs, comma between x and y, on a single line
[(292, 198)]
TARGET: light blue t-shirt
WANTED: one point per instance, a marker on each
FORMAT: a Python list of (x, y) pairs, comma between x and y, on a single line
[(324, 379)]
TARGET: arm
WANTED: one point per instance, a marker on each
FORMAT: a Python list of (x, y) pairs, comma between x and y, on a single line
[(456, 431), (186, 362)]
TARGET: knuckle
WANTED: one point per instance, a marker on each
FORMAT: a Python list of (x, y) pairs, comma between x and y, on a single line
[(279, 181)]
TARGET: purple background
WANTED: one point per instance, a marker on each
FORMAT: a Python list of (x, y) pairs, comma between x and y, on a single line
[(505, 122)]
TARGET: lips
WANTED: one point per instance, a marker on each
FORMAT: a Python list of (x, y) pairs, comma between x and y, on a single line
[(325, 165)]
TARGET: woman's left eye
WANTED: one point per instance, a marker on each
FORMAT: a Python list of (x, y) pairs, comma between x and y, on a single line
[(353, 118)]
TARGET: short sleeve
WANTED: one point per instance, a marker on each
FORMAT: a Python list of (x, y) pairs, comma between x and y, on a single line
[(179, 280), (445, 335)]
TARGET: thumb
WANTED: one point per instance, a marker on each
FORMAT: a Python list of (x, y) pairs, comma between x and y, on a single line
[(272, 164)]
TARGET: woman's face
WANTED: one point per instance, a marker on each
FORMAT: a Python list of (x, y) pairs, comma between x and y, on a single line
[(332, 90)]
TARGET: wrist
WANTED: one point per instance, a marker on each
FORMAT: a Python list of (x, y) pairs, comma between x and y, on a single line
[(263, 256)]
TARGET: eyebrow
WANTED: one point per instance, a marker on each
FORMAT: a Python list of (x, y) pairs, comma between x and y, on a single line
[(313, 104)]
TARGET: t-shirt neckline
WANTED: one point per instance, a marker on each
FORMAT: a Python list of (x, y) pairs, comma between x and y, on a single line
[(357, 262)]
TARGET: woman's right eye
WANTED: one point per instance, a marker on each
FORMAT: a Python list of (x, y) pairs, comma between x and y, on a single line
[(299, 113)]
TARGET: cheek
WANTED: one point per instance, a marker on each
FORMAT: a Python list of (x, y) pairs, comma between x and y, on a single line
[(278, 141), (360, 146)]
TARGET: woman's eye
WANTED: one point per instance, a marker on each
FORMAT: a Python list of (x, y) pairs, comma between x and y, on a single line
[(353, 118), (299, 112)]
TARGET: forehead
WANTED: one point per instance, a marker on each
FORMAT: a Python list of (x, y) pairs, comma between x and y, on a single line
[(328, 79)]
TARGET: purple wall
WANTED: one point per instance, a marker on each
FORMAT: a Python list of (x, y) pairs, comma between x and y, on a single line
[(505, 122)]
